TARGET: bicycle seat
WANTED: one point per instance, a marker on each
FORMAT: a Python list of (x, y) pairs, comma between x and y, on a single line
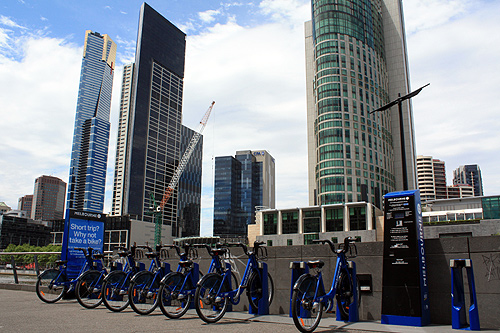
[(61, 262), (185, 263), (123, 254), (315, 264), (219, 252), (151, 255)]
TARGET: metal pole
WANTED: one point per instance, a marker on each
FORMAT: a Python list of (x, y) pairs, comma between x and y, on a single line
[(402, 138), (14, 270)]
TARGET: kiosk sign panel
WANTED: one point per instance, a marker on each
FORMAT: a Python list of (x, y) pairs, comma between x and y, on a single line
[(404, 283), (81, 230)]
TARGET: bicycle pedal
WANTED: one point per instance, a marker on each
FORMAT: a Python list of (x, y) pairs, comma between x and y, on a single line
[(122, 292), (150, 294)]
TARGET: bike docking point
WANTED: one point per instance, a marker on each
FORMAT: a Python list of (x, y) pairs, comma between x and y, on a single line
[(298, 268), (458, 315), (195, 277), (263, 303), (354, 307)]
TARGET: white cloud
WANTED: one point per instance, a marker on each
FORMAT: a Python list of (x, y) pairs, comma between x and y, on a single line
[(7, 21), (208, 16), (427, 14), (38, 108)]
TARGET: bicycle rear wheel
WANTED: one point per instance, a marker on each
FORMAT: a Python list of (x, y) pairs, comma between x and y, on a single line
[(115, 291), (173, 298), (50, 285), (143, 292), (306, 312), (254, 290), (209, 306), (88, 289), (345, 294)]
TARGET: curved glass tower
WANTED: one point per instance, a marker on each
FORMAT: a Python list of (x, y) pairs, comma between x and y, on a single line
[(356, 62)]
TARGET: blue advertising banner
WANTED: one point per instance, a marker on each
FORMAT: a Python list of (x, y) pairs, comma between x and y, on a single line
[(81, 230)]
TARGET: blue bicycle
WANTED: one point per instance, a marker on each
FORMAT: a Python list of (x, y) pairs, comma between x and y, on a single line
[(177, 288), (53, 283), (116, 283), (309, 297), (144, 286), (214, 291), (89, 285)]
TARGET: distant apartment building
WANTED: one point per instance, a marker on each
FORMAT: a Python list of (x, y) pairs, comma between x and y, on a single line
[(431, 177), (242, 183), (89, 155), (151, 137), (48, 198), (471, 175), (4, 207), (460, 191), (25, 204)]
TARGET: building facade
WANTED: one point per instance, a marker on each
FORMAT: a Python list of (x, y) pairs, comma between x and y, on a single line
[(89, 154), (471, 175), (150, 134), (48, 198), (356, 62), (242, 183), (25, 204), (431, 176)]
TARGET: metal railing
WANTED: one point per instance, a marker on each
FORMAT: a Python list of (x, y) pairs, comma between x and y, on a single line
[(14, 265)]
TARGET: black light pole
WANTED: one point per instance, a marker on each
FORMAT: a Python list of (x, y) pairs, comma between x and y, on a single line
[(399, 101)]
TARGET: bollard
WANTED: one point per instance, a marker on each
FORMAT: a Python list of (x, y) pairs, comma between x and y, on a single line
[(298, 268), (14, 269), (354, 307), (458, 315), (37, 268)]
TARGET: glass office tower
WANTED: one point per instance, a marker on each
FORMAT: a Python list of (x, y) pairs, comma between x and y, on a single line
[(89, 155), (356, 62), (242, 183), (149, 142)]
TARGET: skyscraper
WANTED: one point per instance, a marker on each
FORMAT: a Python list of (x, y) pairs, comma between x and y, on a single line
[(356, 61), (48, 198), (149, 140), (89, 155), (471, 175), (431, 175), (242, 183), (25, 203)]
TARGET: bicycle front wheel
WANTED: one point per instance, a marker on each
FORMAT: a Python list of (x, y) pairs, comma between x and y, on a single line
[(345, 294), (174, 300), (115, 291), (143, 292), (306, 312), (209, 306), (254, 290), (88, 289), (50, 285)]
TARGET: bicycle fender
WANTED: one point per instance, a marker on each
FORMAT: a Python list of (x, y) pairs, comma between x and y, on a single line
[(137, 275), (300, 279)]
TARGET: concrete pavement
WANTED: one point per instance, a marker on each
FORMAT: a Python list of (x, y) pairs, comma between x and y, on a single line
[(22, 311)]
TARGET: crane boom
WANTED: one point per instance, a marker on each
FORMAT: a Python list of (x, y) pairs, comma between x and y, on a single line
[(180, 169)]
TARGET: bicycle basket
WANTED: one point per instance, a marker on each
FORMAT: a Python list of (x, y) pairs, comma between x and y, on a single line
[(261, 253), (351, 252), (164, 254)]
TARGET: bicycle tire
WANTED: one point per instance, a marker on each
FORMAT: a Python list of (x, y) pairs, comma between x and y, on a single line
[(48, 290), (254, 290), (306, 313), (173, 301), (344, 295), (209, 308), (143, 292), (115, 291), (88, 289)]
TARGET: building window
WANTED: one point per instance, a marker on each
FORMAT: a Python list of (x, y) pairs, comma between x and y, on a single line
[(308, 238), (270, 224), (290, 223), (491, 208), (312, 221), (269, 243), (334, 219), (357, 217), (289, 242), (335, 240)]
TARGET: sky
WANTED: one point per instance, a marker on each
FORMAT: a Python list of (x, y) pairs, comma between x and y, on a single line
[(248, 57)]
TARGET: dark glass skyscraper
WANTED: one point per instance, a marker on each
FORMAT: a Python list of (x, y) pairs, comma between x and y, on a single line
[(151, 132), (242, 183), (89, 155), (470, 175)]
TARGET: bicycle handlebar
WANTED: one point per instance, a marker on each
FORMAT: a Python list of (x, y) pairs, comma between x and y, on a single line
[(344, 247)]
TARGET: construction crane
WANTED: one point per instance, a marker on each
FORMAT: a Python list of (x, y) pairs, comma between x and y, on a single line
[(177, 175)]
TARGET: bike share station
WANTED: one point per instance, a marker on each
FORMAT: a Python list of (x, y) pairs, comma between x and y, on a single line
[(81, 230)]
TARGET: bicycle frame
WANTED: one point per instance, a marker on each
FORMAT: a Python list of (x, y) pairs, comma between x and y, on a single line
[(62, 271)]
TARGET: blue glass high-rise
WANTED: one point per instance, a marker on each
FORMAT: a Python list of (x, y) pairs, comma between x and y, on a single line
[(89, 155)]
